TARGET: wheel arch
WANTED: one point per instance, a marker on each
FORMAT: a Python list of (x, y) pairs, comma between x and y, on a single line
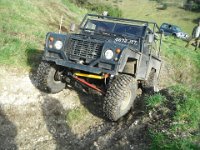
[(129, 61), (174, 34), (130, 66)]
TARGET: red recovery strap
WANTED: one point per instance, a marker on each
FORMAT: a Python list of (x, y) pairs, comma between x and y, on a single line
[(88, 84)]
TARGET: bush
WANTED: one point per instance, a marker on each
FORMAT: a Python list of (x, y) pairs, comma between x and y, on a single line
[(192, 5), (196, 7), (162, 6), (79, 2), (99, 8), (159, 1), (112, 11)]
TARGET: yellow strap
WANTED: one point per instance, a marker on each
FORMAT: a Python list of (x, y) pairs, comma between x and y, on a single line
[(90, 76)]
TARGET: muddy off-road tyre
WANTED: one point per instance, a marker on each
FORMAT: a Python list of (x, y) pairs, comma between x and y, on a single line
[(119, 97), (46, 78)]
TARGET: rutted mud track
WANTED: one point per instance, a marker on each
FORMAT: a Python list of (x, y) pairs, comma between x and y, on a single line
[(30, 119)]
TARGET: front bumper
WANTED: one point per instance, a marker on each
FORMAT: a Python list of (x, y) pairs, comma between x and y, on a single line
[(97, 67)]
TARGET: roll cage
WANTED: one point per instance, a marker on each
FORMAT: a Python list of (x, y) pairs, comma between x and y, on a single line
[(114, 22), (127, 28)]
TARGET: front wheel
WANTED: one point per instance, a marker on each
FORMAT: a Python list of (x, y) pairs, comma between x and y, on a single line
[(47, 81), (120, 96)]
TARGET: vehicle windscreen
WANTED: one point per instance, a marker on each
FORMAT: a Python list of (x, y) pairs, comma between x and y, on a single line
[(113, 27)]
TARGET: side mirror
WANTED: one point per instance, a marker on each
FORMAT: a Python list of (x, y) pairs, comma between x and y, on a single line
[(150, 38), (72, 27)]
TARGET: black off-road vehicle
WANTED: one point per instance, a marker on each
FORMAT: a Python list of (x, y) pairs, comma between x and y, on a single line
[(113, 56)]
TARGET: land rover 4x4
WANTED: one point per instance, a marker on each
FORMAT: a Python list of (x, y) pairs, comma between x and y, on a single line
[(113, 56)]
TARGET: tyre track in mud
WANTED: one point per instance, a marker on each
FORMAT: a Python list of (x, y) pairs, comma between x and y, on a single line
[(30, 119)]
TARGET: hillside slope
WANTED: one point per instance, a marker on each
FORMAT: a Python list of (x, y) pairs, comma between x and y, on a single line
[(31, 119), (24, 25), (148, 10)]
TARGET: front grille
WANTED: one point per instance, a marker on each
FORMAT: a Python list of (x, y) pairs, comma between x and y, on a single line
[(78, 49)]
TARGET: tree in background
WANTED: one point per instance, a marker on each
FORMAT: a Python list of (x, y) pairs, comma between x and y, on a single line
[(192, 5)]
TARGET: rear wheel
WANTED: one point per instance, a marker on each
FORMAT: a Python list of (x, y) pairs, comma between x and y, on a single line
[(120, 97), (174, 35), (47, 78)]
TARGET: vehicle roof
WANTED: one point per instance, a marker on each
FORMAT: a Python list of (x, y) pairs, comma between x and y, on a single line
[(147, 23), (170, 24)]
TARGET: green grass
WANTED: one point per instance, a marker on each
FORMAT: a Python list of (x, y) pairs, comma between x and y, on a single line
[(183, 71), (188, 111), (155, 100), (80, 119), (79, 12), (162, 141), (185, 121), (183, 63), (77, 115), (24, 25)]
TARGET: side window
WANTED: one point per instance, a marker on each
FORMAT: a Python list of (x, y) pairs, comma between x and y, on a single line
[(165, 26), (174, 28)]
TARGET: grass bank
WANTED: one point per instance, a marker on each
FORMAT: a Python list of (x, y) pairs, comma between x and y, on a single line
[(179, 124), (180, 128), (181, 65), (148, 10), (24, 25)]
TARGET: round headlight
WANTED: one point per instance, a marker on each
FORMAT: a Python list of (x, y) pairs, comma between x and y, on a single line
[(58, 45), (109, 54)]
